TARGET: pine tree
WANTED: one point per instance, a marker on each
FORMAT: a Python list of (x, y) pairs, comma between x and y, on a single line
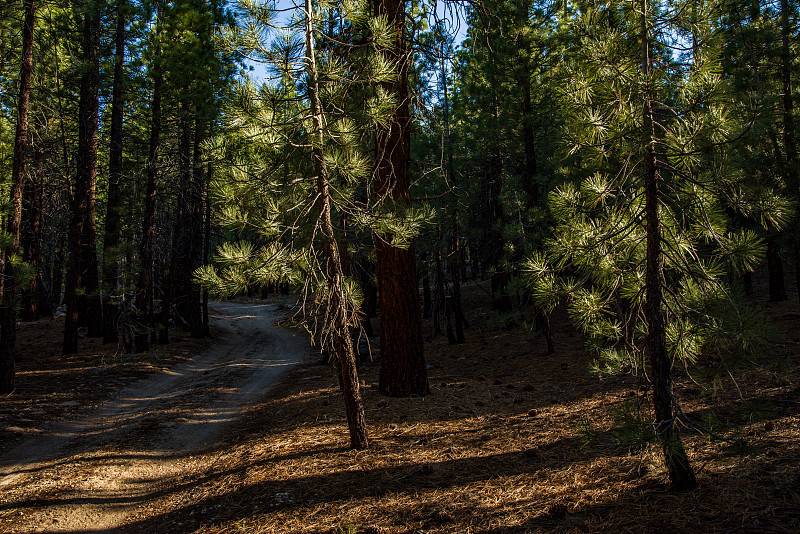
[(8, 288), (82, 282), (294, 160), (111, 238), (643, 244)]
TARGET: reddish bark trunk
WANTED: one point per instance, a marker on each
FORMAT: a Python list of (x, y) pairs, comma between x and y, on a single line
[(403, 371), (82, 273), (8, 316)]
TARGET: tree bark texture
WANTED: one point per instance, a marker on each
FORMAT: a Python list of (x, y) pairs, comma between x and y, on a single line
[(403, 371), (82, 283), (8, 318)]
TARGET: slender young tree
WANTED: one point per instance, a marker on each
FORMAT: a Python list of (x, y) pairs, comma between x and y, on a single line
[(114, 195), (145, 289), (642, 247), (294, 159), (680, 472), (338, 313)]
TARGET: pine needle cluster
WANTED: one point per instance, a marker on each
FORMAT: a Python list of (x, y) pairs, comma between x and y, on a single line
[(266, 186), (595, 261)]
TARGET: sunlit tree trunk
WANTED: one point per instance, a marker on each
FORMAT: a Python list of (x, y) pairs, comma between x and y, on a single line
[(337, 318)]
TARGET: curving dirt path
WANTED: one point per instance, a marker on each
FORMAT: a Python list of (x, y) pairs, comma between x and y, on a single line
[(89, 475)]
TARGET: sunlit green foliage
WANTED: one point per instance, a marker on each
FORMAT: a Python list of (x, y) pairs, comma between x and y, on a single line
[(266, 187), (595, 259)]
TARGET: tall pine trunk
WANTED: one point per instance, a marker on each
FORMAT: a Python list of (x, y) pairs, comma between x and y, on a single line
[(789, 145), (196, 222), (206, 245), (455, 245), (680, 472), (403, 371), (114, 199), (8, 319), (144, 289), (34, 303), (82, 283)]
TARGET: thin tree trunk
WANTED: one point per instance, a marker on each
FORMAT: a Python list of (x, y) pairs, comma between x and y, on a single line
[(114, 199), (82, 269), (8, 318), (529, 171), (196, 244), (145, 290), (427, 304), (681, 475), (337, 318), (789, 144), (777, 288), (403, 371), (438, 291), (455, 250), (57, 278), (168, 290), (207, 247), (184, 223), (34, 303)]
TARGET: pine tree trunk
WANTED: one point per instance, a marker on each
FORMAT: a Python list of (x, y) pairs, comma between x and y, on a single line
[(34, 303), (168, 290), (144, 291), (529, 170), (455, 248), (207, 247), (114, 198), (403, 371), (184, 231), (427, 303), (337, 320), (196, 224), (8, 318), (789, 144), (680, 472), (82, 269), (57, 278), (777, 289), (438, 292), (455, 273)]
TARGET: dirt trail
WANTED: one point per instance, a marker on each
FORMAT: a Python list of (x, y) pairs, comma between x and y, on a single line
[(89, 475)]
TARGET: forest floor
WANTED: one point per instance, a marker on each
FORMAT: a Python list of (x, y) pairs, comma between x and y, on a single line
[(88, 440), (510, 440)]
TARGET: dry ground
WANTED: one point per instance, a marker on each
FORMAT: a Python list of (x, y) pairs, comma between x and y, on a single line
[(510, 440)]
